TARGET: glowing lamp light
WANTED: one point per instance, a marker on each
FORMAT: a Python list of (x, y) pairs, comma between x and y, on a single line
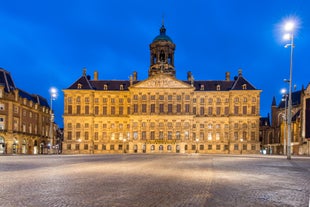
[(289, 26)]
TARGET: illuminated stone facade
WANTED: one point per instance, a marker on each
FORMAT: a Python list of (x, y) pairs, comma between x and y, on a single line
[(274, 137), (161, 113), (24, 120)]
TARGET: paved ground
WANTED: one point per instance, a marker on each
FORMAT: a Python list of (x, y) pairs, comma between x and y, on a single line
[(153, 180)]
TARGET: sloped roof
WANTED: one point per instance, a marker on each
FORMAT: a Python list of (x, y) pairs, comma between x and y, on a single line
[(238, 83), (6, 80), (296, 97), (34, 98)]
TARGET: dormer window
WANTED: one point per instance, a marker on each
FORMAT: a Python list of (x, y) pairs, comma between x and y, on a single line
[(121, 87), (105, 87), (79, 86), (202, 87), (244, 86), (218, 87)]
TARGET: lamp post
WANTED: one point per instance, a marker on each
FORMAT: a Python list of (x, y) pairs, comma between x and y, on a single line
[(289, 27), (197, 140), (53, 95), (284, 98), (124, 145)]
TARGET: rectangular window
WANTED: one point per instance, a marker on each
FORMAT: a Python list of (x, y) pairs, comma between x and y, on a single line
[(69, 135), (253, 110), (169, 108), (77, 135), (193, 147), (86, 109), (68, 146), (236, 147), (202, 147), (77, 146), (236, 110), (244, 147), (104, 110), (194, 110), (178, 108), (69, 109), (169, 135), (236, 135), (78, 109), (226, 111), (177, 135), (210, 111), (95, 147), (245, 110), (104, 147), (96, 110), (143, 108), (218, 110), (253, 136), (187, 108), (112, 110), (202, 111), (86, 136), (152, 135), (209, 146), (218, 147), (121, 110), (85, 146), (143, 135), (161, 108), (112, 147), (152, 108), (253, 147)]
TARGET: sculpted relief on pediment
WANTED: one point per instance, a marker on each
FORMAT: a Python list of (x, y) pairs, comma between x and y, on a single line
[(162, 82)]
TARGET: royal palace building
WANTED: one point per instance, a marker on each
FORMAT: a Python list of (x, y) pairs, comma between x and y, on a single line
[(161, 113), (25, 119)]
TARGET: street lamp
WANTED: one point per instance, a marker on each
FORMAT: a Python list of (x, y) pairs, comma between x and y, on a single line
[(284, 98), (289, 28), (124, 143), (197, 140), (53, 96)]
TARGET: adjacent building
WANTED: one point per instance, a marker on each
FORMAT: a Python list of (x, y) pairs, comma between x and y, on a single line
[(161, 113), (274, 137), (25, 120)]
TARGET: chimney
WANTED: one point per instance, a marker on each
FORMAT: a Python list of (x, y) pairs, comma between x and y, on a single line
[(84, 71), (135, 76), (227, 76), (240, 72), (96, 75)]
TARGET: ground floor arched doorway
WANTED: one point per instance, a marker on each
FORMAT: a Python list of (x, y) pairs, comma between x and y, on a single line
[(2, 146)]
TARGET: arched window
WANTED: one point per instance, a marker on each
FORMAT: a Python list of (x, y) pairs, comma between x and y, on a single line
[(162, 56)]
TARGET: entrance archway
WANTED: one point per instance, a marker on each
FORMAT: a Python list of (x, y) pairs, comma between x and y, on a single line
[(2, 145)]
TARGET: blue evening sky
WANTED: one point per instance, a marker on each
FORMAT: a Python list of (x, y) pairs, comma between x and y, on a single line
[(47, 43)]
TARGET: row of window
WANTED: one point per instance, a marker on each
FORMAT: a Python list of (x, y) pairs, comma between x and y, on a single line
[(161, 135), (163, 109), (163, 124), (120, 147), (161, 98)]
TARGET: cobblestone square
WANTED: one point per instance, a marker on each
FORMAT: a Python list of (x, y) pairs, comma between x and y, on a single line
[(154, 180)]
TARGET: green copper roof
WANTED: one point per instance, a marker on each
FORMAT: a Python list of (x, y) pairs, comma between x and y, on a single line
[(162, 36)]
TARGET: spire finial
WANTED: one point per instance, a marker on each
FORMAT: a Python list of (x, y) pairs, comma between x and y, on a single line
[(163, 20), (163, 29)]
